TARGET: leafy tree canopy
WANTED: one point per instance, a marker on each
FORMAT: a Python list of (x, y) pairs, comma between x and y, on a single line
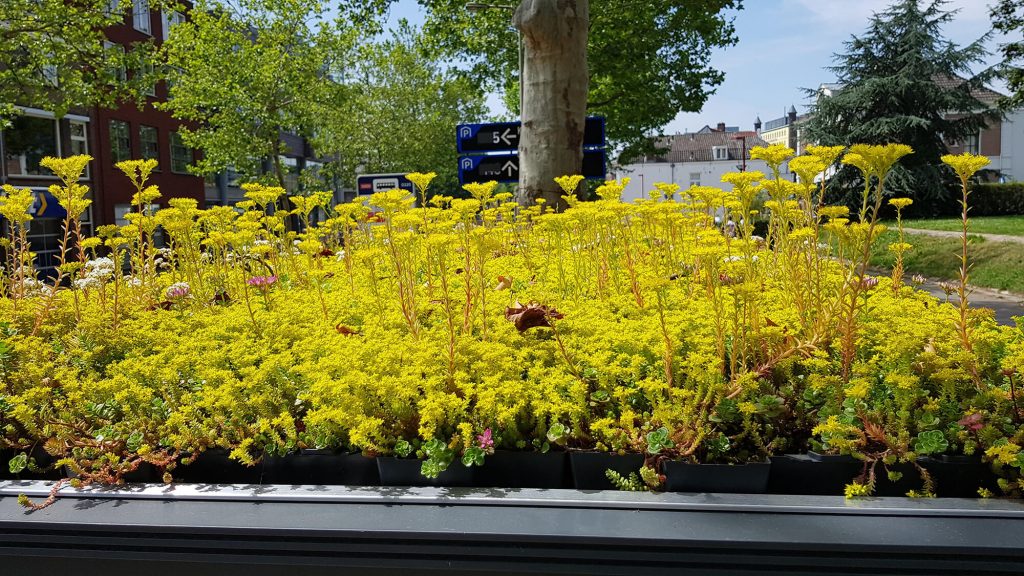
[(1008, 18), (649, 60), (248, 70), (399, 112), (53, 55), (902, 81)]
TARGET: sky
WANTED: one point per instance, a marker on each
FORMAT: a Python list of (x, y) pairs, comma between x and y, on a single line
[(784, 46)]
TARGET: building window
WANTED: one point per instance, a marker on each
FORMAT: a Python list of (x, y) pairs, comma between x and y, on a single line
[(27, 141), (140, 16), (170, 21), (147, 73), (79, 136), (120, 141), (117, 70), (149, 146), (181, 155), (720, 152), (113, 7), (694, 178), (972, 143)]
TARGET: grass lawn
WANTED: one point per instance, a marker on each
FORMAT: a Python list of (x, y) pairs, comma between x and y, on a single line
[(998, 265), (1006, 225)]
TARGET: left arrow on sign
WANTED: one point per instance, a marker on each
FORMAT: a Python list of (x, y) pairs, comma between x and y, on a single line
[(505, 136)]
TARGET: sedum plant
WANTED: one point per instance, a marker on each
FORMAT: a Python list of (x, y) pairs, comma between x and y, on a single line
[(452, 329)]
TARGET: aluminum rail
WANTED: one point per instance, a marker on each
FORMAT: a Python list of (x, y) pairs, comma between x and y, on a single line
[(194, 530)]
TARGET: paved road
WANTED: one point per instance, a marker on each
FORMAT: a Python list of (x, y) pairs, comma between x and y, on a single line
[(951, 234), (1006, 306)]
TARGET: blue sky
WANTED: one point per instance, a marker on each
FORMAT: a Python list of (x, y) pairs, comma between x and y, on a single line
[(784, 45)]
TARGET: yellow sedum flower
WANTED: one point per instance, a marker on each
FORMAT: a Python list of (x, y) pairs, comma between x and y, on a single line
[(966, 164), (568, 184), (773, 155)]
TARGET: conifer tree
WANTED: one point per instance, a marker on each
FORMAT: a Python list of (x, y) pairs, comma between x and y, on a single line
[(902, 81)]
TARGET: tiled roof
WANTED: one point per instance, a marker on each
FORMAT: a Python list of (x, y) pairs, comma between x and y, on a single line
[(984, 94), (694, 147)]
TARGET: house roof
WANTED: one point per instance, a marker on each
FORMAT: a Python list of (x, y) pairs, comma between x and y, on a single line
[(984, 94), (699, 147)]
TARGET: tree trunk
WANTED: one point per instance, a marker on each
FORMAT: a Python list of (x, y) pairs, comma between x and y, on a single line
[(555, 85)]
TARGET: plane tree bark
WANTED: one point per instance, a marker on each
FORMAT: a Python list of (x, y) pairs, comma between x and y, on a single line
[(555, 86)]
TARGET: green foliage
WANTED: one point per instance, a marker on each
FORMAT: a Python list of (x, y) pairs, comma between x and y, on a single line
[(52, 55), (997, 265), (246, 71), (630, 483), (930, 442), (1001, 225), (649, 59), (992, 199), (903, 81), (438, 457), (1008, 19), (658, 440), (395, 111)]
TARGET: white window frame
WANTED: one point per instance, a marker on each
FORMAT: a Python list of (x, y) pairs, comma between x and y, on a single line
[(141, 19), (720, 152), (84, 139), (171, 19), (122, 73), (37, 113), (147, 70)]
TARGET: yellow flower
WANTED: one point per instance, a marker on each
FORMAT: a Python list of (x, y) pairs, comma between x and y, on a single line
[(966, 164), (569, 184), (421, 180), (666, 191), (880, 158), (774, 155), (137, 171), (833, 212), (854, 490), (900, 203), (262, 195), (16, 203), (827, 154), (481, 191), (612, 189), (807, 167), (68, 169)]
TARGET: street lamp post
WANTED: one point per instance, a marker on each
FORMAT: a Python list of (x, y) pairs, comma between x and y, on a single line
[(480, 7)]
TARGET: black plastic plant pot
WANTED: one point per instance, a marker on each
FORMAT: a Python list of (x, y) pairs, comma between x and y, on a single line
[(960, 476), (812, 474), (406, 472), (215, 467), (589, 468), (750, 478), (321, 467), (5, 467), (44, 462), (910, 479), (145, 473), (508, 469)]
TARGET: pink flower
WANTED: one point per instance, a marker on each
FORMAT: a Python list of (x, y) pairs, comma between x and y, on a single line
[(973, 422), (485, 440), (262, 281)]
